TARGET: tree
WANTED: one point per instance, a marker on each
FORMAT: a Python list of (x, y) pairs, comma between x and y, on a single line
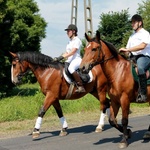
[(2, 9), (144, 10), (21, 29), (82, 47), (113, 26)]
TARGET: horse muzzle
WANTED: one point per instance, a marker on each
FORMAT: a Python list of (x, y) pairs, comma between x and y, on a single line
[(17, 80), (85, 68)]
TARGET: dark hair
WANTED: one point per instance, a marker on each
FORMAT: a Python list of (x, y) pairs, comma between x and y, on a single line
[(138, 18)]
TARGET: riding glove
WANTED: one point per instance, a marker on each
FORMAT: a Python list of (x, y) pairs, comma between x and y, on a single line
[(58, 58)]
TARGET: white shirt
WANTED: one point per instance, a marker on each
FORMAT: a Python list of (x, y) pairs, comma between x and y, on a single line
[(74, 43), (137, 38)]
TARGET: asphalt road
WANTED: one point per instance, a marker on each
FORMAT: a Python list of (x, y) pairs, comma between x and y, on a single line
[(83, 138)]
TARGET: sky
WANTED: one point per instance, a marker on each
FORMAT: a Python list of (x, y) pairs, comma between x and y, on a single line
[(57, 14)]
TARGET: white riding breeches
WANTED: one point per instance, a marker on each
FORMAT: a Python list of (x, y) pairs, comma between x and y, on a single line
[(74, 65)]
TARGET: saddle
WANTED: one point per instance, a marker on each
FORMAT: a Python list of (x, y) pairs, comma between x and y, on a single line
[(84, 77)]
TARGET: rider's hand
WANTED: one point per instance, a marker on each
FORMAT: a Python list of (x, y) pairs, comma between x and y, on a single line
[(58, 58), (125, 51)]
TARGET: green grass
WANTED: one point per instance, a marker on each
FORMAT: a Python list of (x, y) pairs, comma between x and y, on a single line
[(27, 100)]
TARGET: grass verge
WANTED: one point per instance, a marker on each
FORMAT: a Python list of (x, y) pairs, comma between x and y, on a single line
[(19, 112)]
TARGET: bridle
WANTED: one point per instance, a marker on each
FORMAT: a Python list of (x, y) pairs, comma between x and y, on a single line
[(103, 58), (21, 74)]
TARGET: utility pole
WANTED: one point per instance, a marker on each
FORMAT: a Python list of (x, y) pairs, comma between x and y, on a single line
[(87, 15), (74, 12)]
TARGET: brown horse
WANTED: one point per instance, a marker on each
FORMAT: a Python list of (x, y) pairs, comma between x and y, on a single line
[(50, 76), (122, 88)]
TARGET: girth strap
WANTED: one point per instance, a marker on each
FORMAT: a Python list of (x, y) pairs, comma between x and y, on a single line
[(71, 87), (61, 69)]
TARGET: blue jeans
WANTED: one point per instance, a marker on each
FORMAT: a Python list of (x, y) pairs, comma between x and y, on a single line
[(143, 64)]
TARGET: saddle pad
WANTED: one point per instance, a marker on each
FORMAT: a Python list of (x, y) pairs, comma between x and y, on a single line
[(69, 81), (135, 76)]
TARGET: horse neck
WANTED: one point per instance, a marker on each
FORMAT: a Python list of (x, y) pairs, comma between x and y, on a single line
[(39, 71), (113, 67)]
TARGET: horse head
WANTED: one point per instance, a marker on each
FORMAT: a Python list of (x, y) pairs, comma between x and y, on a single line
[(18, 68), (92, 53)]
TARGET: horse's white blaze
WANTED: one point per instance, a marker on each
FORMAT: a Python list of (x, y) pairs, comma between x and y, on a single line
[(12, 78), (88, 45)]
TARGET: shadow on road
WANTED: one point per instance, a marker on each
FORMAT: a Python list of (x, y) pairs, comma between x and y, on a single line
[(82, 129), (87, 129), (136, 136)]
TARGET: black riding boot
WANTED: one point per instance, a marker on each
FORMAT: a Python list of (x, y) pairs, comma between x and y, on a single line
[(142, 95), (80, 88)]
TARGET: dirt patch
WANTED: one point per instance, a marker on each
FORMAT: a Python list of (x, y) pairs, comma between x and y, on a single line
[(22, 128)]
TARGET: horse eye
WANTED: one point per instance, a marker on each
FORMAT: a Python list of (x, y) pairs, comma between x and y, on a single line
[(14, 65), (94, 49)]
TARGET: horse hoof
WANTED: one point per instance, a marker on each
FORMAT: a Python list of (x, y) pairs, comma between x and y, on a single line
[(129, 133), (123, 145), (98, 130), (146, 135), (35, 134), (63, 132)]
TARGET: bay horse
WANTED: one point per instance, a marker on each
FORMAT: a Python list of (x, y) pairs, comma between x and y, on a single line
[(122, 88), (49, 75)]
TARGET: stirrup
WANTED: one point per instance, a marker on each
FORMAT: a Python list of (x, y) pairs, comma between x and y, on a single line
[(141, 98)]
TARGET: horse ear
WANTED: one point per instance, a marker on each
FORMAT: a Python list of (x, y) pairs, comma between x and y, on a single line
[(87, 37), (13, 54), (98, 37)]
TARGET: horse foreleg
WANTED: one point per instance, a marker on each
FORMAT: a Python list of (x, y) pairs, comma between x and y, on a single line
[(112, 118), (49, 99), (114, 108), (62, 119), (125, 105), (36, 132)]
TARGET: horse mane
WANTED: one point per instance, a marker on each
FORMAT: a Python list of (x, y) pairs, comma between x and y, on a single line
[(108, 44), (111, 47), (114, 50), (37, 58)]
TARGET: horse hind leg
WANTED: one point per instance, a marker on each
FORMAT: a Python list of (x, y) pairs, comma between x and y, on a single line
[(63, 131), (100, 126), (104, 113), (62, 119)]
